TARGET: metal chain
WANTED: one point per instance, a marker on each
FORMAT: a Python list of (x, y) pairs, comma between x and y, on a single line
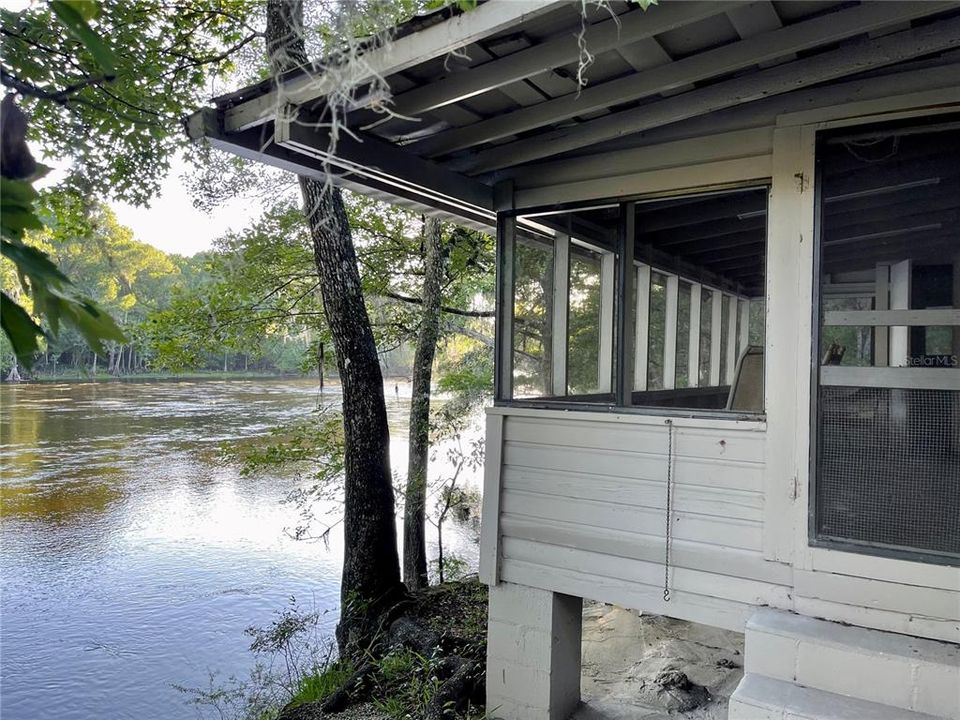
[(668, 534)]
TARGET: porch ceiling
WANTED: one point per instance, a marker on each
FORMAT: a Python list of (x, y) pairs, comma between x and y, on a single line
[(506, 105)]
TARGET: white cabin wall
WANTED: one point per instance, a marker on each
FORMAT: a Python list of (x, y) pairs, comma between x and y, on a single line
[(583, 512), (580, 494)]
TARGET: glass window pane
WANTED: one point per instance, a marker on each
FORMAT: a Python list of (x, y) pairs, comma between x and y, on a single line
[(724, 336), (683, 335), (583, 324), (532, 318), (658, 327), (706, 321), (758, 320)]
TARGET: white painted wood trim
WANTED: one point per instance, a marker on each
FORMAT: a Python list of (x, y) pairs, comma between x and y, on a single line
[(489, 568), (903, 623), (879, 568), (670, 334), (864, 592), (926, 378), (861, 112), (720, 174), (561, 306), (657, 421), (900, 284), (783, 316), (642, 344), (488, 18), (693, 362), (753, 142), (716, 339), (608, 281), (893, 318), (801, 318), (731, 348)]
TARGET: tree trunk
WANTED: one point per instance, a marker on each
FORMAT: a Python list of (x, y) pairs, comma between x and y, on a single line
[(371, 566), (414, 516), (14, 374)]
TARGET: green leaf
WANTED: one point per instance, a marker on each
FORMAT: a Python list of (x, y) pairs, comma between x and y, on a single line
[(33, 262), (20, 329), (93, 323), (74, 16)]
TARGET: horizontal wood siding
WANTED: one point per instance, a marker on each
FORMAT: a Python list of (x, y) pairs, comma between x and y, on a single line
[(582, 511)]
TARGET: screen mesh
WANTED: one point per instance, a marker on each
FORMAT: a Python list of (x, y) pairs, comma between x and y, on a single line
[(889, 470)]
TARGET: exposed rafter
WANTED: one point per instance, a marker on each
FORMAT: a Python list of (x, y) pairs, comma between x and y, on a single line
[(400, 54), (712, 63), (858, 57), (557, 52)]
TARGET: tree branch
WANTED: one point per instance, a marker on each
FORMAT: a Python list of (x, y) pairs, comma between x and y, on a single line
[(446, 309), (61, 97)]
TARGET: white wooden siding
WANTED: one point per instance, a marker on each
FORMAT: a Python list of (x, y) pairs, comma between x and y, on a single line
[(585, 498)]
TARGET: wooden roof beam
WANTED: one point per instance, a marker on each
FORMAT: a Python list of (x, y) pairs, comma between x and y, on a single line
[(403, 53), (361, 165), (556, 52), (712, 63)]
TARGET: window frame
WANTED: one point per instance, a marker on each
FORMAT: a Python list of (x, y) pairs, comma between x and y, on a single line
[(624, 361)]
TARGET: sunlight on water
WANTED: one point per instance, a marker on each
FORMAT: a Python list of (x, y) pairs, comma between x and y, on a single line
[(133, 557)]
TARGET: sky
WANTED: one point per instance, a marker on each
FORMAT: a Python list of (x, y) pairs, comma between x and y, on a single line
[(172, 224)]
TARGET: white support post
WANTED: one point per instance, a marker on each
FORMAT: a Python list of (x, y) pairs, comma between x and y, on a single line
[(533, 653), (693, 363), (643, 328), (505, 259), (744, 306), (608, 278), (900, 300), (670, 334), (731, 340), (716, 319), (561, 293)]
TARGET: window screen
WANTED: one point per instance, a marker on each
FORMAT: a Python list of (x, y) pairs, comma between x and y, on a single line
[(887, 475)]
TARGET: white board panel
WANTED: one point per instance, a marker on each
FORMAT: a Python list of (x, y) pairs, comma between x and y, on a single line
[(744, 534), (648, 598), (647, 573), (707, 443), (722, 560), (692, 471), (704, 500)]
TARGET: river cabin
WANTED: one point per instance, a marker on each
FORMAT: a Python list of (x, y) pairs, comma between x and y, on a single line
[(728, 321)]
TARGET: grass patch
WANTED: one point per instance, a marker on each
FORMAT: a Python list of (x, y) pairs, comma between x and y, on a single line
[(322, 683)]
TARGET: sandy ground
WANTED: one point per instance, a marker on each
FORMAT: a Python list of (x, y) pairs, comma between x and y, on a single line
[(624, 652)]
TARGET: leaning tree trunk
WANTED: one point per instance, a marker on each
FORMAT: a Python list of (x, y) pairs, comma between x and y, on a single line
[(371, 566), (414, 516)]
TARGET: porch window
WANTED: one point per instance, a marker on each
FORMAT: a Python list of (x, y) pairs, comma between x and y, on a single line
[(646, 304), (887, 413)]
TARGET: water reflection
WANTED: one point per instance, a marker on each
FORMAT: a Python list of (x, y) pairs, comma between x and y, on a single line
[(132, 556)]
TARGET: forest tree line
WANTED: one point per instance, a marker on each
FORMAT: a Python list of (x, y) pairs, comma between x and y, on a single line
[(249, 304)]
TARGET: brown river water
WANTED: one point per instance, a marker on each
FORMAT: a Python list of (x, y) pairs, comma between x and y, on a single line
[(133, 557)]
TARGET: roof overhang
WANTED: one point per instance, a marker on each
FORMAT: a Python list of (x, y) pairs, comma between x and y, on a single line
[(491, 96)]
